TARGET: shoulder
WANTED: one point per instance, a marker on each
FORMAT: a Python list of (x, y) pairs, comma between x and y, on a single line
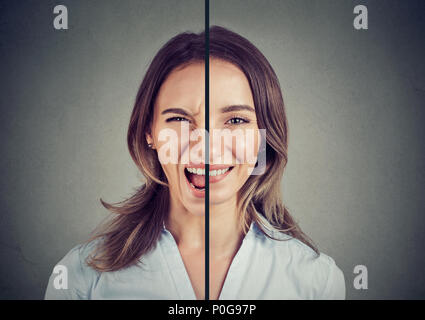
[(316, 276), (71, 277), (317, 271)]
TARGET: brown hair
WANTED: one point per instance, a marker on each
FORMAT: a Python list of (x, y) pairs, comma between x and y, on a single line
[(139, 219)]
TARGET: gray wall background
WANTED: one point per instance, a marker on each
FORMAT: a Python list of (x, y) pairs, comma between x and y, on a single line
[(355, 104)]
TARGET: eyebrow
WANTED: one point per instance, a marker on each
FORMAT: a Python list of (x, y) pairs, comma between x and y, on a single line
[(238, 107), (176, 110), (232, 108)]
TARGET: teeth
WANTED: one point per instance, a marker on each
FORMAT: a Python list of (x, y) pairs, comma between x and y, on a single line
[(213, 173), (197, 171)]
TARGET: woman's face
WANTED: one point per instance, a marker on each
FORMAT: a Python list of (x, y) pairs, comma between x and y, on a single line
[(181, 103)]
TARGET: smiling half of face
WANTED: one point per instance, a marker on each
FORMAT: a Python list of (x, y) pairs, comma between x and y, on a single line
[(233, 133)]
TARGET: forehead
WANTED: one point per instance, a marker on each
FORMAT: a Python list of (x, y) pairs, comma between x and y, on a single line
[(185, 86), (228, 84)]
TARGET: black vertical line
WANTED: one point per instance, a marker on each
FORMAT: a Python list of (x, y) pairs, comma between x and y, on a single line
[(207, 151)]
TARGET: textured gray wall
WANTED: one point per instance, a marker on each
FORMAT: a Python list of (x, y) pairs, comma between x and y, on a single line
[(355, 103), (356, 107)]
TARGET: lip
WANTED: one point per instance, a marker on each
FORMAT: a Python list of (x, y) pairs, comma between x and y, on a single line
[(212, 166), (212, 179), (197, 193)]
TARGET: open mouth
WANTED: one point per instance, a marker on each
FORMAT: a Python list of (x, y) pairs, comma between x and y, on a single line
[(196, 176)]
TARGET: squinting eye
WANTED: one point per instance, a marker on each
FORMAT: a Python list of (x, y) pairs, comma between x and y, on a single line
[(237, 120), (176, 119)]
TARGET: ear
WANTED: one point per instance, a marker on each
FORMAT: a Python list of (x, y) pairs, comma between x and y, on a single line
[(148, 137), (149, 140)]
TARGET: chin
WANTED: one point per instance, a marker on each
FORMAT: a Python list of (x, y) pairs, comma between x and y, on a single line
[(221, 196), (196, 209)]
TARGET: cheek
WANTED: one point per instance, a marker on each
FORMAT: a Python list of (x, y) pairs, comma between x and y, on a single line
[(168, 171), (169, 142), (172, 173), (245, 147)]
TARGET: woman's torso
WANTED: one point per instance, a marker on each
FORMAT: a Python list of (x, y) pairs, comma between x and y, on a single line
[(263, 268)]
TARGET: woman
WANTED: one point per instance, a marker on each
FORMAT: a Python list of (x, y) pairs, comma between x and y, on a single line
[(154, 247)]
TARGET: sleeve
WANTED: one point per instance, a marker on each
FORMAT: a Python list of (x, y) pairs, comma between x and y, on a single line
[(335, 284), (67, 280)]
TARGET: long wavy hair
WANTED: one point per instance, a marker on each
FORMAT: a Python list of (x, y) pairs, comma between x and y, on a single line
[(138, 220)]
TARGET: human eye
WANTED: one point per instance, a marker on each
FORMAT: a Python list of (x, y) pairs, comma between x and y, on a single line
[(237, 120), (177, 119)]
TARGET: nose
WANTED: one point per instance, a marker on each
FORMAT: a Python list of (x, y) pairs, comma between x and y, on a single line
[(215, 149), (222, 143), (221, 146)]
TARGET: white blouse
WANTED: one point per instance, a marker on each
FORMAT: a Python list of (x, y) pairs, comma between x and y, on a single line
[(263, 268)]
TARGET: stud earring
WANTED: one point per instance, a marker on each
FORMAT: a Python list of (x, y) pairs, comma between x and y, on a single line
[(150, 145)]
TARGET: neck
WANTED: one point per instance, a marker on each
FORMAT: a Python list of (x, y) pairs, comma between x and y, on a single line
[(188, 229)]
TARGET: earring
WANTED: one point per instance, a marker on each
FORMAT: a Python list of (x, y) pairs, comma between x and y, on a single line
[(150, 145)]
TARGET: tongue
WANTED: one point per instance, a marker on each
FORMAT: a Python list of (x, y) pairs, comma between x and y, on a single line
[(197, 180)]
